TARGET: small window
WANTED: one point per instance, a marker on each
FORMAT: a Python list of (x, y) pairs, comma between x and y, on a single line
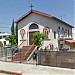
[(4, 36), (62, 29), (0, 37), (46, 30), (65, 32), (33, 26), (58, 27), (4, 43), (62, 32), (68, 32), (54, 35), (58, 30)]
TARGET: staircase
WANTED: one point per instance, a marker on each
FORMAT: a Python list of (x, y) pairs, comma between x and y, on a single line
[(24, 53)]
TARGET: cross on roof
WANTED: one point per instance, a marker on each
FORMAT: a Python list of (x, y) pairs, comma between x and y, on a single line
[(31, 6)]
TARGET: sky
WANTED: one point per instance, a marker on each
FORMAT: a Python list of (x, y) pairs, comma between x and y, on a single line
[(13, 9)]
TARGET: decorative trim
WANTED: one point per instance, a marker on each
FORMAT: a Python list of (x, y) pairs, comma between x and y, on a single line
[(23, 40), (22, 33), (46, 28), (47, 39)]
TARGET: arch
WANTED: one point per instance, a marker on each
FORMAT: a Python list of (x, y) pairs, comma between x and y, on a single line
[(33, 26), (46, 30)]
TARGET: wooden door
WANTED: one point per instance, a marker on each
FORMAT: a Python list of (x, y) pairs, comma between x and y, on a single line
[(30, 37)]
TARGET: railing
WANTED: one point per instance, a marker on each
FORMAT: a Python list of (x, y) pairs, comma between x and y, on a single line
[(30, 56), (29, 50), (20, 44)]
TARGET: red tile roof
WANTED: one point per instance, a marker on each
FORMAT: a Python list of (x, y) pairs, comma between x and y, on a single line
[(43, 14)]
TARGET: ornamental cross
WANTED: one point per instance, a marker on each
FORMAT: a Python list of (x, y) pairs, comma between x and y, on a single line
[(31, 6)]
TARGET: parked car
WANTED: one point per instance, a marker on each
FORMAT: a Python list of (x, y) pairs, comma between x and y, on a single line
[(7, 46)]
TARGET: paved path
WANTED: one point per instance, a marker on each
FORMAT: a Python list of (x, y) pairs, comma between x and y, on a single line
[(3, 74), (28, 69)]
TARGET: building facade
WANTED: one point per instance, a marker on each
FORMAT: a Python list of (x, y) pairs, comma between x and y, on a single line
[(36, 21), (3, 35), (73, 33)]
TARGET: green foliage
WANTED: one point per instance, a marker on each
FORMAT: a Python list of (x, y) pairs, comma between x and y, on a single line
[(11, 39), (38, 38), (16, 30), (12, 28)]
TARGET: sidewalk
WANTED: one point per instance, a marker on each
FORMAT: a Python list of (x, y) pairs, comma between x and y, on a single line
[(28, 69)]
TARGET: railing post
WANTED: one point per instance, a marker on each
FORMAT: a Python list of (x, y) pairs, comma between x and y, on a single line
[(20, 55), (5, 54)]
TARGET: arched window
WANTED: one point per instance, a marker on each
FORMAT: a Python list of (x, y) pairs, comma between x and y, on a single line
[(33, 26), (46, 30)]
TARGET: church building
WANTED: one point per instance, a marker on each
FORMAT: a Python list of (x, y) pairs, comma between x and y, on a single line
[(33, 21)]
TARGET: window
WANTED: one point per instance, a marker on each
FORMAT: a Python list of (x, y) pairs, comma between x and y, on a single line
[(4, 43), (58, 31), (4, 36), (65, 32), (58, 27), (62, 30), (54, 35), (46, 30), (68, 32), (0, 37), (33, 26)]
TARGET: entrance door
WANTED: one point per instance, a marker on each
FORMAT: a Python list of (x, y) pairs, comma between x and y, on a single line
[(30, 37)]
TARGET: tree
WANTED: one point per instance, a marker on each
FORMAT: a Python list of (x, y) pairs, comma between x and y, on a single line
[(11, 39), (38, 38), (12, 28), (16, 33)]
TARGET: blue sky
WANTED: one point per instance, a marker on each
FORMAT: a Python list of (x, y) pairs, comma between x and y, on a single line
[(10, 9)]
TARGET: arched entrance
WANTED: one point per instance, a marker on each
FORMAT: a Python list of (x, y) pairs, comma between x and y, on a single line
[(32, 29)]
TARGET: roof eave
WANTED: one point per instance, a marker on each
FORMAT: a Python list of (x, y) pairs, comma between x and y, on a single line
[(22, 17), (63, 22), (43, 14)]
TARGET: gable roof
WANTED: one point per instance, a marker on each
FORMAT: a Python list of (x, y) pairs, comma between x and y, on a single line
[(43, 14)]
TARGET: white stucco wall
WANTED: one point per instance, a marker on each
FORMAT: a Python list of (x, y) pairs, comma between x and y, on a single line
[(26, 36), (42, 21), (73, 33)]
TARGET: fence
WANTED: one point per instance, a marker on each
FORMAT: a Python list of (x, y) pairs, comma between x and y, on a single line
[(51, 58), (5, 54), (18, 56), (58, 58)]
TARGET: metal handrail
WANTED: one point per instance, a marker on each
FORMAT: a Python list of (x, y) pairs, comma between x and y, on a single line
[(29, 49), (20, 44)]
